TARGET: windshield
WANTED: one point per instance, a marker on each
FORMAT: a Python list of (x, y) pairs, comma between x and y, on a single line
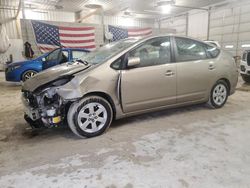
[(104, 53)]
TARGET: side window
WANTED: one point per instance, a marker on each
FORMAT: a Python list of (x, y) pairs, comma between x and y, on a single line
[(76, 54), (189, 50), (117, 64), (53, 56), (66, 54), (153, 52), (212, 51)]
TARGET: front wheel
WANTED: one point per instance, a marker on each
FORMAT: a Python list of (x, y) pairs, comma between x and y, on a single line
[(218, 94), (28, 74), (246, 78), (90, 116)]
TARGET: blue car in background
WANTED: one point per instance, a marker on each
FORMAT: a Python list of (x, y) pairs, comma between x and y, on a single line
[(21, 71)]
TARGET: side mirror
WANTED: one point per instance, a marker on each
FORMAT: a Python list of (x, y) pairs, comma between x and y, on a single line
[(43, 59), (134, 61)]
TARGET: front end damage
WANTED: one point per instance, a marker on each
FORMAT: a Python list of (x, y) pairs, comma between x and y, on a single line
[(44, 107)]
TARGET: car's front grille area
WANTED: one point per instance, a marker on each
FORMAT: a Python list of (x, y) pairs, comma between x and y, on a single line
[(30, 99)]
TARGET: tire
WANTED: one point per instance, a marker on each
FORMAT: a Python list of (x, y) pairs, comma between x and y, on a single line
[(90, 116), (245, 78), (219, 94), (28, 74)]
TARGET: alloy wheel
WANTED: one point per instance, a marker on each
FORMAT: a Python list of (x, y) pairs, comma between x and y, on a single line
[(92, 117), (29, 74), (219, 94)]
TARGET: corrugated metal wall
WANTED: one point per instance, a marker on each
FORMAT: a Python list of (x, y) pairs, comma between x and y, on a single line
[(56, 16), (177, 24), (119, 21), (231, 27), (11, 25)]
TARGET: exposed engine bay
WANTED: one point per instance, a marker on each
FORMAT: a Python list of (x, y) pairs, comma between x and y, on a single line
[(44, 107)]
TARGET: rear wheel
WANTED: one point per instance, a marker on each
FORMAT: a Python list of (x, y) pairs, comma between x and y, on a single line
[(90, 116), (28, 74), (219, 94), (245, 78)]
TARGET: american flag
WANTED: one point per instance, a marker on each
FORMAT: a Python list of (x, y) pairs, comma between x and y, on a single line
[(122, 33), (49, 37)]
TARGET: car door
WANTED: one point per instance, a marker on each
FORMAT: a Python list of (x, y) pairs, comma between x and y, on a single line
[(52, 59), (153, 83), (195, 70)]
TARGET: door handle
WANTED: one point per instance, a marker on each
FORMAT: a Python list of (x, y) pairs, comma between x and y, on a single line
[(211, 67), (169, 73)]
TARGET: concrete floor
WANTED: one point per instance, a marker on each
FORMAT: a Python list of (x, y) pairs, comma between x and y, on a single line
[(186, 147)]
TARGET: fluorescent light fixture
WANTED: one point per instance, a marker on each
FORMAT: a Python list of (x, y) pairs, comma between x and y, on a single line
[(245, 45), (229, 46), (165, 9)]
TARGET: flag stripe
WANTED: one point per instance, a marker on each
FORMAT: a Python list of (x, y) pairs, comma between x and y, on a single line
[(76, 28), (76, 32), (76, 35), (48, 46), (77, 38), (77, 41), (76, 45), (82, 47), (44, 49)]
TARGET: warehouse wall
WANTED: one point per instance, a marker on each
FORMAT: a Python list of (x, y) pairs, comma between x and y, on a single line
[(198, 24), (13, 28), (231, 27), (178, 25), (50, 15), (116, 20)]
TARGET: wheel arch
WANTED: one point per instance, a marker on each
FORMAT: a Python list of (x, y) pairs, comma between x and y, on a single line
[(227, 82), (21, 75), (106, 97)]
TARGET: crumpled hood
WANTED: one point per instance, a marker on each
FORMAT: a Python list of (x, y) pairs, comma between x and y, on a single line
[(53, 73)]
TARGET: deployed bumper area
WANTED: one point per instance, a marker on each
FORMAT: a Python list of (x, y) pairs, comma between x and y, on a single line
[(46, 108)]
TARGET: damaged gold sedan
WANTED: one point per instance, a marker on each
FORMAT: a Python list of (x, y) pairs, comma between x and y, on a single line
[(129, 77)]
